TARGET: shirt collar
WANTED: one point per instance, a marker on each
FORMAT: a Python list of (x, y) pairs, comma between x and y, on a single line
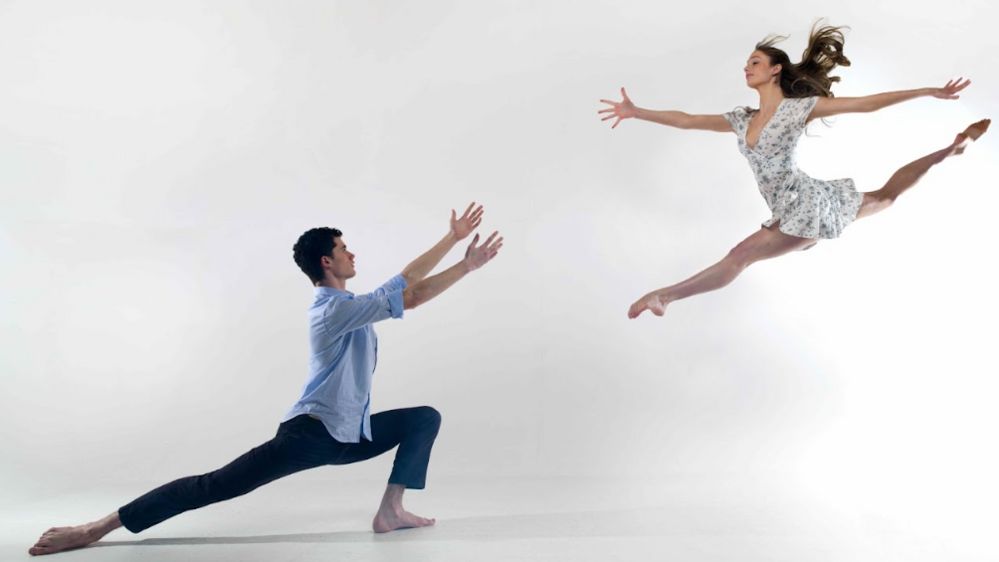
[(330, 291)]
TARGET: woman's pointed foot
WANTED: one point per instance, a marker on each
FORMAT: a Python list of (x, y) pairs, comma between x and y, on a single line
[(969, 135), (651, 302)]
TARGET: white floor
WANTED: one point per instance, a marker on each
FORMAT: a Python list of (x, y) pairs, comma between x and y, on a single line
[(318, 516)]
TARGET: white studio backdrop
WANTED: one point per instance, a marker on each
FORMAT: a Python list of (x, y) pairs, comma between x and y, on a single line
[(158, 160)]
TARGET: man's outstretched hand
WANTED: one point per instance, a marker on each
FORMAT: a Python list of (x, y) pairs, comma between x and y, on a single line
[(469, 221), (478, 256)]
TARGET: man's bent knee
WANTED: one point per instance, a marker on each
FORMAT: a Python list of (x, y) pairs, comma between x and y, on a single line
[(429, 416)]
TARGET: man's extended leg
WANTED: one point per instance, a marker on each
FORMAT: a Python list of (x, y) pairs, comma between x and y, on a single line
[(293, 449), (296, 447)]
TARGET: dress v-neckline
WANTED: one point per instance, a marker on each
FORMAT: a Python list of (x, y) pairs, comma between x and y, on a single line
[(745, 134)]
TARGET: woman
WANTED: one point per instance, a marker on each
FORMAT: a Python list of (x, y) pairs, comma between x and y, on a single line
[(804, 209)]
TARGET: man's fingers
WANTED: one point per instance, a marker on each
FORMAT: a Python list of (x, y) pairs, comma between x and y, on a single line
[(489, 240)]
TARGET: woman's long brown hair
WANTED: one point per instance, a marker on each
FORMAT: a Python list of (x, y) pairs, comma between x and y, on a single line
[(810, 77)]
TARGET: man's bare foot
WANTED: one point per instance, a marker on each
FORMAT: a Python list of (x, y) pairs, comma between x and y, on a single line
[(58, 539), (651, 302), (969, 135), (390, 520), (392, 516)]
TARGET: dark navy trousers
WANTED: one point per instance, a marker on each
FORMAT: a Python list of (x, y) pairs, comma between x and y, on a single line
[(300, 443)]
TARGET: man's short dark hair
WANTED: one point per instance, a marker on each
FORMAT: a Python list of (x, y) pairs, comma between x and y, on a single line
[(311, 247)]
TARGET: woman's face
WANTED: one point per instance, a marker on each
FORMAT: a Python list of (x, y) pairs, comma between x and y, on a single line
[(759, 71)]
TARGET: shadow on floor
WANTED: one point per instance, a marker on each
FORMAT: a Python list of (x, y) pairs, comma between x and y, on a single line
[(592, 524)]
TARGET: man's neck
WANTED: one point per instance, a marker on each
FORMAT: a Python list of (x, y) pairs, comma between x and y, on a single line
[(333, 283)]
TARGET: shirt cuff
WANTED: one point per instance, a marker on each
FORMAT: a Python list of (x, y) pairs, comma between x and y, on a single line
[(395, 303)]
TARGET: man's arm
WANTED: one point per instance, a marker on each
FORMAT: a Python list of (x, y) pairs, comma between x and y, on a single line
[(475, 257), (826, 107), (460, 228)]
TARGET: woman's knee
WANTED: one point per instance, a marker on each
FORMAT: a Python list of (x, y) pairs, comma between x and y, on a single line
[(741, 256), (876, 201)]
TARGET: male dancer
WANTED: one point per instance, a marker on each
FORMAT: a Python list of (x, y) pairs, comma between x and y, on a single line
[(331, 423)]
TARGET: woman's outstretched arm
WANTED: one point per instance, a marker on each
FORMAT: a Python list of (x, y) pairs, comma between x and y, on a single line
[(826, 107), (625, 109)]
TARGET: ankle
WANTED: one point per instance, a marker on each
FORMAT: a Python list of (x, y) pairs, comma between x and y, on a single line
[(394, 510), (98, 529)]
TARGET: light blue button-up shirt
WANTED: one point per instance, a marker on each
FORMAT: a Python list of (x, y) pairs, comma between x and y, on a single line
[(344, 354)]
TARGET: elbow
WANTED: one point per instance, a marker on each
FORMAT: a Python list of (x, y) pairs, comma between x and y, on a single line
[(410, 300)]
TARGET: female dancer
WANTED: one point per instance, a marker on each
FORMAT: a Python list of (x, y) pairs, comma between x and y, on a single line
[(804, 209)]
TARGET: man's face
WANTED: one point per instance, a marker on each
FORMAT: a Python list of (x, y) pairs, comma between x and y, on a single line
[(342, 261)]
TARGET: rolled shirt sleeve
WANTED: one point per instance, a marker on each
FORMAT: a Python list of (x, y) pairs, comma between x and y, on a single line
[(350, 312), (393, 289)]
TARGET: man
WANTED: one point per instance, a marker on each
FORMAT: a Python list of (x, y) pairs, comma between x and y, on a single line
[(331, 423)]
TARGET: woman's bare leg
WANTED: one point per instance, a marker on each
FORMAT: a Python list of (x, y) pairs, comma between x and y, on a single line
[(908, 175), (764, 244)]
